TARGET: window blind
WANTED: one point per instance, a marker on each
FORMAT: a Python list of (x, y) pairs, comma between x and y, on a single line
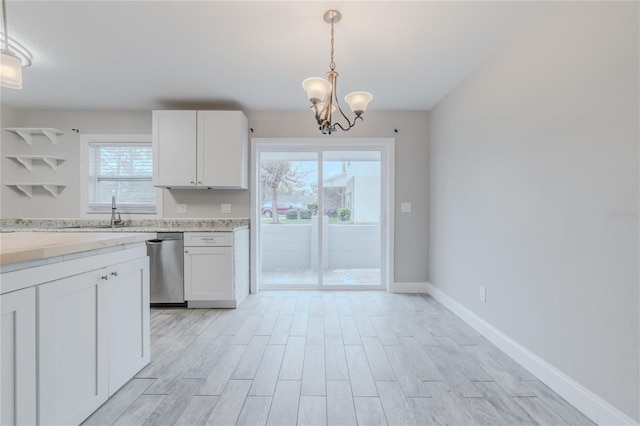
[(124, 170)]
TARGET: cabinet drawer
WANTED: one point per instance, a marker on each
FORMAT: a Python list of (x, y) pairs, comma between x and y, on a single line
[(208, 239)]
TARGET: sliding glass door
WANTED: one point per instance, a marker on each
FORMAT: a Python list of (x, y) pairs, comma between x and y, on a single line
[(319, 211), (288, 223), (351, 195)]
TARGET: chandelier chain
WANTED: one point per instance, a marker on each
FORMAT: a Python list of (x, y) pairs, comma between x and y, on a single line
[(332, 64)]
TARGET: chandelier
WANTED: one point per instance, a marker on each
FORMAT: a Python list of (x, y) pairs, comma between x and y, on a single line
[(323, 93)]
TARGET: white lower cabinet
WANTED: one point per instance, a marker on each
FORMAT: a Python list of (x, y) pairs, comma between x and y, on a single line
[(216, 268), (208, 273), (128, 321), (72, 345), (18, 358), (81, 329)]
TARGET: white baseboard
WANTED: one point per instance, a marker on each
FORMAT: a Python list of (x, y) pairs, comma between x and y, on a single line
[(584, 400), (410, 287)]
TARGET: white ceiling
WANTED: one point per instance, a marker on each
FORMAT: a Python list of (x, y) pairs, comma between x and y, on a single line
[(249, 55)]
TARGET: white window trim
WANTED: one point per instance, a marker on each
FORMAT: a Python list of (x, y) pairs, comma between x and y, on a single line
[(85, 140)]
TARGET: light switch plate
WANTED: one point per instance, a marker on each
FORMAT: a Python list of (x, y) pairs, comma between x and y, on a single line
[(181, 208), (482, 294), (405, 207), (225, 208)]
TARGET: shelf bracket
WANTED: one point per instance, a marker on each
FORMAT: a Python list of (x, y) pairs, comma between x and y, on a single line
[(53, 162), (27, 189), (53, 189), (26, 162), (53, 137), (26, 136)]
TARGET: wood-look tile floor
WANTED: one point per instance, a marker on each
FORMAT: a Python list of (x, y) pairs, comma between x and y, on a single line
[(329, 358)]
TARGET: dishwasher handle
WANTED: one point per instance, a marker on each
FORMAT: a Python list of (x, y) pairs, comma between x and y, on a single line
[(150, 242)]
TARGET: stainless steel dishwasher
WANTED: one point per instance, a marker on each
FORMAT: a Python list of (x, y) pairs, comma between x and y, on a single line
[(166, 271)]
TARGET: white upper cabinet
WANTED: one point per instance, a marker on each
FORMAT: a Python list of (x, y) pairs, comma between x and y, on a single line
[(223, 145), (174, 148), (200, 149)]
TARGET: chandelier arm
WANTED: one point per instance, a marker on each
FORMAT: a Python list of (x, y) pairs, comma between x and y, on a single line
[(345, 117), (335, 96), (350, 125), (342, 128)]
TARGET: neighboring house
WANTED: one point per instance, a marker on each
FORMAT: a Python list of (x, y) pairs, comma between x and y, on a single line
[(357, 188)]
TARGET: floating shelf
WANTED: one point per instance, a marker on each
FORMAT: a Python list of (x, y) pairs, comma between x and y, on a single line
[(26, 133), (53, 188), (27, 160)]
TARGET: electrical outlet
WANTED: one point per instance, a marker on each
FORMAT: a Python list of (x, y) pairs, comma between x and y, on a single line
[(405, 207), (225, 208), (483, 294), (181, 208)]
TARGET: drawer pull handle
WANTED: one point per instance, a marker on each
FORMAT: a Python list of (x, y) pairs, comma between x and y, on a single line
[(186, 251), (105, 277), (114, 273)]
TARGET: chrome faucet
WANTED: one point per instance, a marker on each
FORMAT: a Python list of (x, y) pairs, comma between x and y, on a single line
[(114, 221)]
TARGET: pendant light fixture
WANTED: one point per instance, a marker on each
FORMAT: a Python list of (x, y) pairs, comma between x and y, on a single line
[(323, 93), (10, 64)]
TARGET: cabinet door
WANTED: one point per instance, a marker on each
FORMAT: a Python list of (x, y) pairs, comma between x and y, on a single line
[(18, 362), (128, 320), (208, 273), (174, 148), (223, 149), (72, 344)]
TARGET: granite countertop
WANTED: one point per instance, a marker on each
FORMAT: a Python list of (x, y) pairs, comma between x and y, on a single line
[(28, 246), (160, 225)]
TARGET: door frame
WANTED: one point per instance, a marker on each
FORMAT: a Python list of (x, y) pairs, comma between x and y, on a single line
[(387, 148)]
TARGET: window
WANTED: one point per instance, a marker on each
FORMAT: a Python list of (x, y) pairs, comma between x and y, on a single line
[(120, 166)]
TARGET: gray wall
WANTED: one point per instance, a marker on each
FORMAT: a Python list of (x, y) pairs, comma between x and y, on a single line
[(67, 205), (411, 179), (534, 194), (411, 170)]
